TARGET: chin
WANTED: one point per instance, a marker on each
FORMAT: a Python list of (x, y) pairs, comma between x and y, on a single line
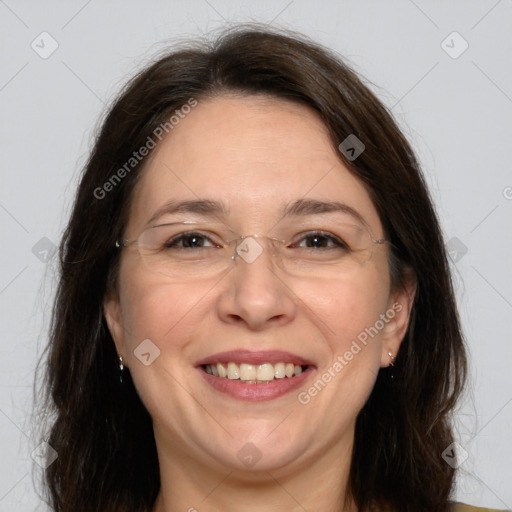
[(261, 449)]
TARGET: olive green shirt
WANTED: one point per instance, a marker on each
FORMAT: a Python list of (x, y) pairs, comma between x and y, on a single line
[(461, 507)]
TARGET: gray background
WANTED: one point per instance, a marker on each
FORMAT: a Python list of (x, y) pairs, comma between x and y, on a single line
[(454, 107)]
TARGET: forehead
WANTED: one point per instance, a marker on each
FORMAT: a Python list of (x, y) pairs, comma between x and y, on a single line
[(254, 154)]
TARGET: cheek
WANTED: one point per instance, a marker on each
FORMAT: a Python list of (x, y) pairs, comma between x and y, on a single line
[(168, 316), (347, 312), (345, 308), (161, 312)]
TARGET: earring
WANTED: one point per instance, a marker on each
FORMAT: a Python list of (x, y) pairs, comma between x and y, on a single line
[(121, 368), (391, 364)]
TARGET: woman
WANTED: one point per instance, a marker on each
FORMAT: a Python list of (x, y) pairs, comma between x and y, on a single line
[(255, 308)]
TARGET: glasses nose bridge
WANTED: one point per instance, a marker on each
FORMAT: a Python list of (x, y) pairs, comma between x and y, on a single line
[(250, 247)]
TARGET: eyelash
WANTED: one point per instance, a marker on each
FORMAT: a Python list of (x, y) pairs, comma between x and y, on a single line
[(311, 234)]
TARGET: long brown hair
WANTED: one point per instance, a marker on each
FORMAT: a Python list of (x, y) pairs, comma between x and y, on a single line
[(103, 435)]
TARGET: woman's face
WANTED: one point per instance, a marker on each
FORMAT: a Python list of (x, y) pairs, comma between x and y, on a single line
[(256, 156)]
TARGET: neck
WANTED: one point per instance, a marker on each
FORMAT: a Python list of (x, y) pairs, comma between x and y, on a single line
[(188, 484)]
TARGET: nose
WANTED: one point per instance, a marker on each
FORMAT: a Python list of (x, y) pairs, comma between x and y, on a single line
[(257, 294)]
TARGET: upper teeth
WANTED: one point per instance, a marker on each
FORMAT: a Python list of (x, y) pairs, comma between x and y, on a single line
[(254, 372)]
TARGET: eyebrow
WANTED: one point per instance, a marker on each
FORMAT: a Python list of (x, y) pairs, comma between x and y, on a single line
[(305, 207), (299, 208)]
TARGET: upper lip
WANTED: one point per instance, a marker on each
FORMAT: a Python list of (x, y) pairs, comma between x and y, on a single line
[(253, 357)]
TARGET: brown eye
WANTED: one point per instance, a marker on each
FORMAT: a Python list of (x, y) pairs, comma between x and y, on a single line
[(188, 241), (320, 240)]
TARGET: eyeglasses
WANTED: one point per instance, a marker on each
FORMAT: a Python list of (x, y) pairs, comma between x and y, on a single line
[(185, 251)]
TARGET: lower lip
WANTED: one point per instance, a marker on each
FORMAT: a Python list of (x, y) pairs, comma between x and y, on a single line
[(256, 392)]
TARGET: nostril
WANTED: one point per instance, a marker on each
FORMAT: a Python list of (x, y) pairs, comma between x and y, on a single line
[(235, 317)]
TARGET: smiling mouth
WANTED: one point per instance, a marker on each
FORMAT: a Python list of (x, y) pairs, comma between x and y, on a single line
[(254, 373)]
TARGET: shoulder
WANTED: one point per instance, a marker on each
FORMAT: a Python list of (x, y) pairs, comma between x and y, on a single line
[(461, 507)]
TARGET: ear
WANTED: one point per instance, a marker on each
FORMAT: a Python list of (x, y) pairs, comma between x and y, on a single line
[(112, 312), (397, 315)]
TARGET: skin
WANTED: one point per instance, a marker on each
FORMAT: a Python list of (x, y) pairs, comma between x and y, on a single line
[(255, 154)]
